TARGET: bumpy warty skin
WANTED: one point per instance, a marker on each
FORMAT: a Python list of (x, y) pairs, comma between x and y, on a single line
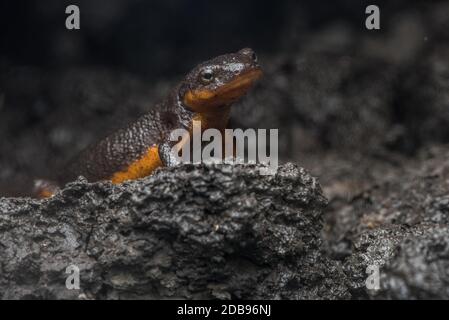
[(118, 150)]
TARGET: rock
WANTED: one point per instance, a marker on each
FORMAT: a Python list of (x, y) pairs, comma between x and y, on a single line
[(208, 231), (401, 226), (420, 266)]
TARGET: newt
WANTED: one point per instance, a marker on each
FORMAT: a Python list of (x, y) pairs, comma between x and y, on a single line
[(205, 94)]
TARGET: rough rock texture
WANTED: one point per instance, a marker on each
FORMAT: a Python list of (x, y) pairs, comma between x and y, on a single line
[(402, 226), (186, 232)]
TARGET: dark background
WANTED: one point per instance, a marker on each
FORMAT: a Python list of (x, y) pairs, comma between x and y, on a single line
[(157, 38)]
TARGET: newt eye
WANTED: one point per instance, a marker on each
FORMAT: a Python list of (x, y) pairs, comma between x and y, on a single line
[(206, 76), (254, 57)]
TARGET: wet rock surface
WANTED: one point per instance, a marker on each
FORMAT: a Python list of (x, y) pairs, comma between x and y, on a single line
[(400, 226), (186, 232)]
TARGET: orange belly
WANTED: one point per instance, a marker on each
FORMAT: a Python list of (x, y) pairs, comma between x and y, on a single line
[(140, 168)]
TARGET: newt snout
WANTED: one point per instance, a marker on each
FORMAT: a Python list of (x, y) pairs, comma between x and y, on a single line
[(205, 94)]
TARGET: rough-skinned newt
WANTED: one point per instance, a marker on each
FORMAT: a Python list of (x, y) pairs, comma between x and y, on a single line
[(205, 94)]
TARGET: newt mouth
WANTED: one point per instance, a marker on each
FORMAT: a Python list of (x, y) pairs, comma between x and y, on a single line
[(203, 100)]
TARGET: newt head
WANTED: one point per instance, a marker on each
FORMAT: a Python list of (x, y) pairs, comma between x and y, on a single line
[(220, 81)]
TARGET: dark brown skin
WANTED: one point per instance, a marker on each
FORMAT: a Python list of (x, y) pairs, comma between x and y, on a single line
[(205, 94)]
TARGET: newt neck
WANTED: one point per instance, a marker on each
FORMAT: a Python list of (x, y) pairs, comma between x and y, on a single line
[(217, 118)]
